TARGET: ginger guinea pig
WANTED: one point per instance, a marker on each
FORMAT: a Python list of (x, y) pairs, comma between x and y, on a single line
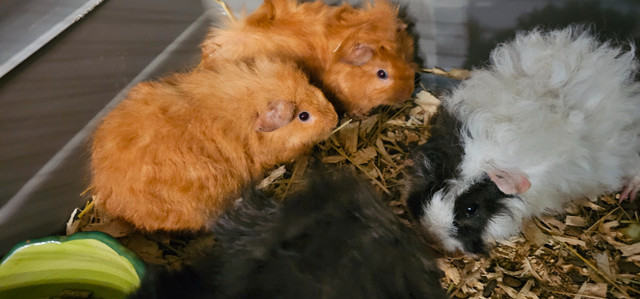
[(361, 57), (336, 238), (176, 152), (554, 118)]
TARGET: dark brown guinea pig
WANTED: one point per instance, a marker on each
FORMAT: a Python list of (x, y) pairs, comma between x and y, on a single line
[(336, 238), (176, 152), (361, 57)]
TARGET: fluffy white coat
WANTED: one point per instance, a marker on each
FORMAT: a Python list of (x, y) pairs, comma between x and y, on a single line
[(559, 107)]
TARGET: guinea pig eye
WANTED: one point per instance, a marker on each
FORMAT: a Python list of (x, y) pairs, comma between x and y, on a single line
[(303, 116), (471, 210), (382, 74)]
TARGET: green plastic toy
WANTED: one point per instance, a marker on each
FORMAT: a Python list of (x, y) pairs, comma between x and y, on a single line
[(83, 265)]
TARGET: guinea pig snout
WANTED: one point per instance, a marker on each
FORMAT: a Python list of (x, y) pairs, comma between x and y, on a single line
[(405, 91), (440, 221), (405, 86), (466, 217)]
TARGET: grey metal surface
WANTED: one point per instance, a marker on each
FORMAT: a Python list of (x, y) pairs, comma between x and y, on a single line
[(50, 102), (27, 25)]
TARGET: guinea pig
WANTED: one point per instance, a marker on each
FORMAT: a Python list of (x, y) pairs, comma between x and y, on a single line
[(333, 239), (175, 152), (554, 118), (361, 57)]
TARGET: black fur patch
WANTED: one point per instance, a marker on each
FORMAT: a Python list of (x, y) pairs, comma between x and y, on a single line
[(474, 208), (434, 162), (334, 239)]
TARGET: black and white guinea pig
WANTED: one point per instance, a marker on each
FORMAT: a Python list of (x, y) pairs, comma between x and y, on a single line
[(555, 117), (333, 239)]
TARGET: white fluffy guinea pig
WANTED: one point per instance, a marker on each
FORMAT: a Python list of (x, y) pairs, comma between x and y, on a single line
[(555, 117)]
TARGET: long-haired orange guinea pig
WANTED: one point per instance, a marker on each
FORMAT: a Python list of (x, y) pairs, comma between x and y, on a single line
[(176, 152), (361, 57)]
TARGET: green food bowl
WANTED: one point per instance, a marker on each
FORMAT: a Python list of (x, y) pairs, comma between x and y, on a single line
[(83, 265)]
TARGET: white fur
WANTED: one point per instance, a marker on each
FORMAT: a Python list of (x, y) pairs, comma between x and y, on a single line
[(440, 221), (558, 106), (503, 226)]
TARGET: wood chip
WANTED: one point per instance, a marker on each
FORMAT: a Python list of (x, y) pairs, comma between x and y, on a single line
[(273, 175), (588, 290), (629, 250), (450, 272), (525, 292), (333, 159), (578, 221), (427, 102), (593, 206), (72, 223), (552, 225), (383, 152), (512, 293), (605, 227), (603, 263), (571, 241), (396, 122), (365, 155), (534, 234), (349, 137), (366, 125), (454, 73)]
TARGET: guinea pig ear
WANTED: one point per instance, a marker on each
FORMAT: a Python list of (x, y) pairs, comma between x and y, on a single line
[(357, 55), (278, 114), (510, 182), (401, 26), (263, 16)]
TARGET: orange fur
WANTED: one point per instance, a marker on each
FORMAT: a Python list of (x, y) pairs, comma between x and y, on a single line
[(323, 39), (176, 152)]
